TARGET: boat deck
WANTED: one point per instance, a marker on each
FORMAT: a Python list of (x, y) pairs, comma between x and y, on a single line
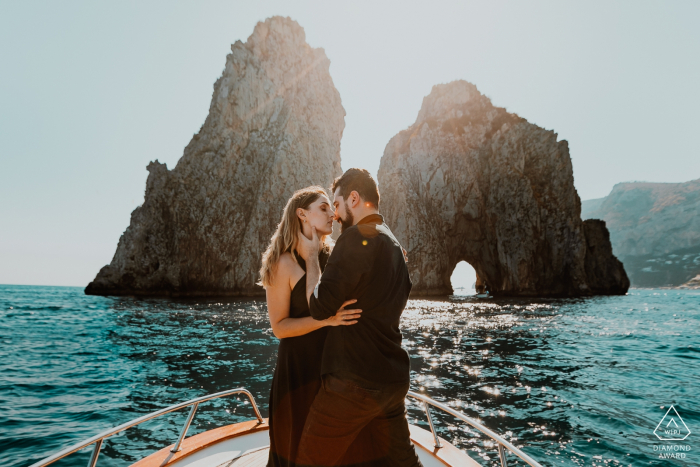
[(251, 459), (247, 445)]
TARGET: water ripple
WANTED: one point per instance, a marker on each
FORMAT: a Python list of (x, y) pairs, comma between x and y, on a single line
[(574, 382)]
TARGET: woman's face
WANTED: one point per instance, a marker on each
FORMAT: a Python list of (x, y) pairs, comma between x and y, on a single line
[(320, 215)]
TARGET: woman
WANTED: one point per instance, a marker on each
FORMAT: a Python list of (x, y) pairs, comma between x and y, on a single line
[(297, 376)]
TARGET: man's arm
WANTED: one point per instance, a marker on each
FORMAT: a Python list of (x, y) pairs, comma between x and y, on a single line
[(350, 259)]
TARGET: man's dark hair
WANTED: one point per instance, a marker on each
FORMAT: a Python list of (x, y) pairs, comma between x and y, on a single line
[(358, 180)]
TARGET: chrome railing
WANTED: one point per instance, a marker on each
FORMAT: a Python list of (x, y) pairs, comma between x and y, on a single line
[(98, 439), (502, 443)]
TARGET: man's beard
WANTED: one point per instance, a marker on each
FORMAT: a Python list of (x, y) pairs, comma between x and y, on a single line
[(348, 221)]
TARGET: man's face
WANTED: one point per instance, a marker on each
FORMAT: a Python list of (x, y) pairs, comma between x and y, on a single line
[(342, 211)]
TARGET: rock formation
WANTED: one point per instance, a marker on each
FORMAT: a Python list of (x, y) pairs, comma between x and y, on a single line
[(654, 229), (274, 126), (604, 272), (693, 283), (470, 181)]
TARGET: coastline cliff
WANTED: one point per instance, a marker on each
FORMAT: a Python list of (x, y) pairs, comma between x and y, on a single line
[(275, 123), (654, 229), (470, 181)]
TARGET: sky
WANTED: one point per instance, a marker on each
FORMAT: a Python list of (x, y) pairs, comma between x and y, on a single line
[(90, 92)]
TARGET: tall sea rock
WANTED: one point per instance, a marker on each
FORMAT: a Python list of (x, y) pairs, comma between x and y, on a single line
[(274, 126), (471, 182), (654, 228)]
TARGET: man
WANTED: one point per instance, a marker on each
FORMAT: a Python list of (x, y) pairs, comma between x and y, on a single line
[(365, 370)]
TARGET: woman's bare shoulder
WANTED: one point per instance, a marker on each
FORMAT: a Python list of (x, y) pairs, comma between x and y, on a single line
[(283, 269), (286, 260)]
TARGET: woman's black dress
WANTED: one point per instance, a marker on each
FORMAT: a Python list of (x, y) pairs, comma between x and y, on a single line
[(296, 380)]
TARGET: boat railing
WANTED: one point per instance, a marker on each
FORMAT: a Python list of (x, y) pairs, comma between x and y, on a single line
[(98, 439), (502, 443)]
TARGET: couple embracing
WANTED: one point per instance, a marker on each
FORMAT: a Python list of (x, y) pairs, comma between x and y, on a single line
[(342, 376)]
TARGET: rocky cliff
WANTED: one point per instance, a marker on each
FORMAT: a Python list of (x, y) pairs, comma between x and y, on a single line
[(654, 229), (470, 181), (274, 125), (693, 283)]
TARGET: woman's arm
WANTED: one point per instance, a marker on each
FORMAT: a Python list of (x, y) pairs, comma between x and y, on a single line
[(278, 303)]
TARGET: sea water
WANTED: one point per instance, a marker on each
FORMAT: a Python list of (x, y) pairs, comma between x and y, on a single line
[(571, 382)]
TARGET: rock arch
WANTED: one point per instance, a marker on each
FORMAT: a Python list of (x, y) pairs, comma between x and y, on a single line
[(470, 181), (463, 277)]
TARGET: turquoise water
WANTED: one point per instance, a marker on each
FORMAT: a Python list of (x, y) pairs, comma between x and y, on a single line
[(574, 382)]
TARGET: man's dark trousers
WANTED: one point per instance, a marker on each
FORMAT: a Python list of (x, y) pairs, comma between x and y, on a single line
[(342, 409)]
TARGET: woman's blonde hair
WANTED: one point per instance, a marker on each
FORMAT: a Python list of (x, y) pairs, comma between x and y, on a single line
[(288, 230)]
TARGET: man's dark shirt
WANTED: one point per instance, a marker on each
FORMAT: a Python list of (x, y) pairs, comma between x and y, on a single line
[(367, 264)]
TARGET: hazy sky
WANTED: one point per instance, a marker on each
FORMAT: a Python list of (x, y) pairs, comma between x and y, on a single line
[(92, 91)]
